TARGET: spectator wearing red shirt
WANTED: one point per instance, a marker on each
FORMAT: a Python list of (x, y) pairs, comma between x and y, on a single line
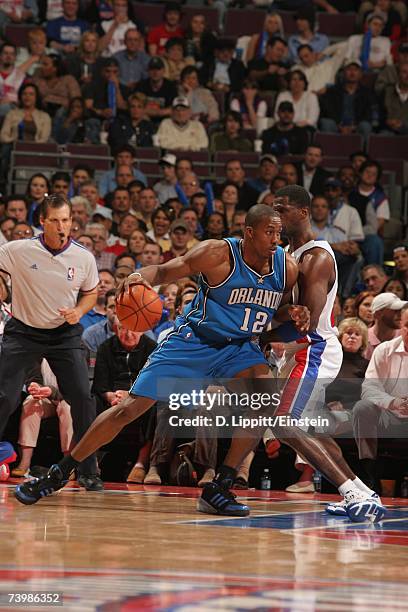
[(159, 35)]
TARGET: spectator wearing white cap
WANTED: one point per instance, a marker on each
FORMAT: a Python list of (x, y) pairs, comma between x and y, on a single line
[(384, 401), (386, 309), (400, 256), (166, 187), (180, 131)]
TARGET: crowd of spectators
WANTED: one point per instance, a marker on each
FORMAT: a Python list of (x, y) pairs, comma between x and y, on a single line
[(93, 73)]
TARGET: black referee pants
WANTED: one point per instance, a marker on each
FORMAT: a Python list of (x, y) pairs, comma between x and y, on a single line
[(22, 347)]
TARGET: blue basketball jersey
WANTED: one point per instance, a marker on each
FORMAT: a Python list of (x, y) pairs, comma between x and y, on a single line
[(243, 304)]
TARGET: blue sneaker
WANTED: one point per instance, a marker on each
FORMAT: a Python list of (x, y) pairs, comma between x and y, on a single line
[(361, 507), (30, 492), (217, 500), (339, 508)]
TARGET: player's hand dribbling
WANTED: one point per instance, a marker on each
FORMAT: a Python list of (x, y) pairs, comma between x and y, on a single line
[(300, 316), (71, 315), (133, 279)]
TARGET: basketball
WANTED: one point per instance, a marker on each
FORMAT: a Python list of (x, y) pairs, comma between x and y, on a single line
[(139, 309)]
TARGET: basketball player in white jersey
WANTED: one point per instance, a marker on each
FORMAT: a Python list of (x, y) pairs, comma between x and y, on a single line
[(316, 358)]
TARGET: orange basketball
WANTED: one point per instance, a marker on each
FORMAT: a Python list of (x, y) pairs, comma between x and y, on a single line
[(139, 309)]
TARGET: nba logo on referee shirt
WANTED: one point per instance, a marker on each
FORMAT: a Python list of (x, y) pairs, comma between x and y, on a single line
[(70, 275)]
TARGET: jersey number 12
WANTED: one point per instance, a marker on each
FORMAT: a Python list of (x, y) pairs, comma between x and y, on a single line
[(259, 323)]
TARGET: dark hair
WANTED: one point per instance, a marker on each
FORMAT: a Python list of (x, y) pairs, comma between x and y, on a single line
[(190, 161), (58, 63), (235, 116), (301, 75), (297, 195), (73, 101), (305, 46), (14, 198), (110, 293), (275, 39), (84, 167), (228, 184), (256, 214), (114, 192), (106, 270), (24, 86), (369, 164), (136, 183), (163, 210), (172, 6), (316, 145), (187, 71), (175, 42), (125, 149), (7, 44), (125, 254), (279, 177), (36, 175), (55, 201), (358, 154), (398, 280), (60, 176), (224, 221)]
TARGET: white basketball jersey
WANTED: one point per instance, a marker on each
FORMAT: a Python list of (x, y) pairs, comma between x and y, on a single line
[(325, 327)]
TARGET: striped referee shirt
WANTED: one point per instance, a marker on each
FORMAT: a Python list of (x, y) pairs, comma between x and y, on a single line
[(44, 280)]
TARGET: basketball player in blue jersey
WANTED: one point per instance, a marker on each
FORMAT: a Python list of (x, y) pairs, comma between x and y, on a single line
[(318, 356), (242, 284)]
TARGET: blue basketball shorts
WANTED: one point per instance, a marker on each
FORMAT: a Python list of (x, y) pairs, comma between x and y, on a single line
[(185, 361)]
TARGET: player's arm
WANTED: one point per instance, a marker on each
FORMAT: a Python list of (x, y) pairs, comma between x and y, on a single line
[(206, 257), (298, 317), (315, 274)]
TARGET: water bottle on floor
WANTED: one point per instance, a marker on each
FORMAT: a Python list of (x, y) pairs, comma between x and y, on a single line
[(266, 483), (317, 482)]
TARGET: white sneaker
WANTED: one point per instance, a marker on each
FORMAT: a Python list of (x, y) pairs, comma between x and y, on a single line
[(339, 508), (361, 507)]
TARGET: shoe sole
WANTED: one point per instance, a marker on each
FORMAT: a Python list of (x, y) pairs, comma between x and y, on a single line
[(366, 511), (23, 499), (206, 508)]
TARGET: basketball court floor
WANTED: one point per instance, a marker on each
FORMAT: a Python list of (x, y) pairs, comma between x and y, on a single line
[(146, 548)]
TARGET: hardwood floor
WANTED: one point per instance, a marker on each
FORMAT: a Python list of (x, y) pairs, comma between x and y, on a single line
[(137, 548)]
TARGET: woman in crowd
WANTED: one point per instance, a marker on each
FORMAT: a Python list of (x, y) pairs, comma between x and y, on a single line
[(363, 303), (304, 102), (55, 87), (202, 102), (396, 286), (136, 243), (216, 227), (200, 41), (37, 189), (86, 64), (70, 124), (250, 105), (161, 220), (349, 307), (229, 197), (26, 123)]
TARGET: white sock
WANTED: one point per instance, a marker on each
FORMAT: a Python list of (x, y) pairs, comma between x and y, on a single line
[(347, 486), (139, 464), (361, 486)]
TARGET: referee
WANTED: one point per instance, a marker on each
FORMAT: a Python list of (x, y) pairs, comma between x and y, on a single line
[(48, 273)]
